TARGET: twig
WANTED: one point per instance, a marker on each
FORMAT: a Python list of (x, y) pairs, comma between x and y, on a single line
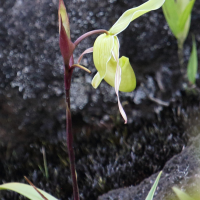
[(35, 188), (159, 101)]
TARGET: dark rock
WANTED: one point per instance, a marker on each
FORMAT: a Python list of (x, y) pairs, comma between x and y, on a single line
[(109, 154), (182, 171), (31, 89)]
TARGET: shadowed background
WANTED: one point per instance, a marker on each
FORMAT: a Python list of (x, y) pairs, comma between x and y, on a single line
[(32, 107)]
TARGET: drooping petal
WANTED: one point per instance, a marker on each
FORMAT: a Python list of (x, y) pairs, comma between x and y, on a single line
[(134, 13), (96, 80), (62, 13), (89, 50), (118, 80), (101, 55), (66, 45)]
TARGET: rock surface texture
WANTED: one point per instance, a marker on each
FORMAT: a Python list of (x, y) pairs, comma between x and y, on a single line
[(182, 171), (109, 154), (31, 72)]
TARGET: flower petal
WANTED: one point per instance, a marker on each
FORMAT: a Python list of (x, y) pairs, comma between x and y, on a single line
[(96, 80), (62, 13), (134, 13), (128, 79), (102, 54), (117, 82), (89, 50)]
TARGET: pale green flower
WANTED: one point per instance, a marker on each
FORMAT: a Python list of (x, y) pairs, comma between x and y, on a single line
[(116, 71)]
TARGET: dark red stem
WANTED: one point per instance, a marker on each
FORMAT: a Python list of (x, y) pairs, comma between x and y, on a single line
[(67, 79), (82, 37), (68, 76)]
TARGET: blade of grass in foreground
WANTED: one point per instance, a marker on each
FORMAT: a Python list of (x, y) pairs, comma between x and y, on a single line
[(153, 189), (193, 63), (26, 190)]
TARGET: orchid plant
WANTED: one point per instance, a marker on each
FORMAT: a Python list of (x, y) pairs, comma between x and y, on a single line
[(115, 70)]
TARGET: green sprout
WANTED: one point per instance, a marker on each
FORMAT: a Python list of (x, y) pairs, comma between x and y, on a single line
[(178, 16), (193, 63), (45, 170), (182, 195), (153, 189)]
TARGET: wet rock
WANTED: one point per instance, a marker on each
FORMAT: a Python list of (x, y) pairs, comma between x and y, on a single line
[(32, 97), (182, 171), (31, 86)]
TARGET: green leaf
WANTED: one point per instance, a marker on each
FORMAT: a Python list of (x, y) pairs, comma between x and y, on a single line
[(134, 13), (193, 63), (185, 15), (62, 13), (171, 15), (153, 189), (181, 195), (178, 16), (26, 190)]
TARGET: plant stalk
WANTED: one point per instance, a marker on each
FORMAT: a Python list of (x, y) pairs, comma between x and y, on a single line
[(82, 37), (180, 56), (67, 78)]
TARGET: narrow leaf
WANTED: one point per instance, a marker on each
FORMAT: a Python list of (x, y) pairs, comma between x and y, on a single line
[(26, 190), (62, 14), (134, 13), (185, 15), (193, 63), (181, 195), (171, 15), (35, 188), (153, 189), (66, 45)]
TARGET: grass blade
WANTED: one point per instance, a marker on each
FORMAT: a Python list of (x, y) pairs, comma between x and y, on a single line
[(153, 189)]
